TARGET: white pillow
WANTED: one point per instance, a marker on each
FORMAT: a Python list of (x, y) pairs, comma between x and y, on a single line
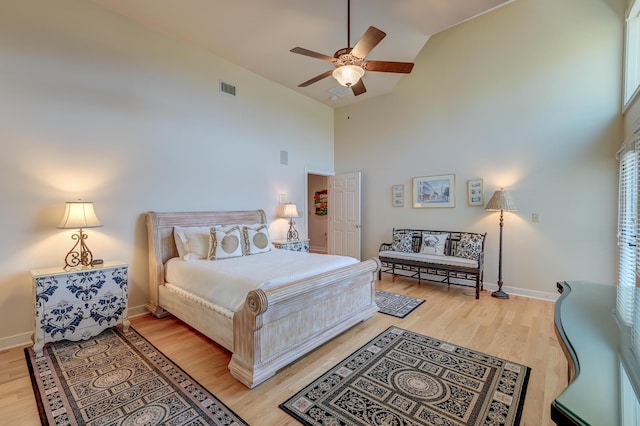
[(255, 239), (433, 243), (225, 242), (192, 242)]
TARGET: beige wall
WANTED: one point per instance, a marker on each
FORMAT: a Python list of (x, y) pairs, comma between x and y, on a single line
[(527, 97), (98, 108)]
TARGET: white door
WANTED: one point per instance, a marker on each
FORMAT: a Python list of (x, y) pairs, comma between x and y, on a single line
[(344, 215)]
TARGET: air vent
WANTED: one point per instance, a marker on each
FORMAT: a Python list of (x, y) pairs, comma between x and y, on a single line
[(227, 88)]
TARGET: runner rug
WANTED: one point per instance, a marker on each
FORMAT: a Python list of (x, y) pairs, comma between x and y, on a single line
[(397, 305), (119, 378), (405, 378)]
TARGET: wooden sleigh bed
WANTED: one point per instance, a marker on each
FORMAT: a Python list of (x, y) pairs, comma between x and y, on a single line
[(274, 326)]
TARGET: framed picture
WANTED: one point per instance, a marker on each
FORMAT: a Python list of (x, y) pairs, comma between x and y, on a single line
[(397, 195), (434, 191), (475, 192), (320, 202)]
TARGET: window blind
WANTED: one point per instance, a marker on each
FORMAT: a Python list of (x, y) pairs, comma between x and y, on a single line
[(628, 295), (627, 218)]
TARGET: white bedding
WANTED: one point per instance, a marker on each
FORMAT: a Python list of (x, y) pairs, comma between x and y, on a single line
[(226, 282)]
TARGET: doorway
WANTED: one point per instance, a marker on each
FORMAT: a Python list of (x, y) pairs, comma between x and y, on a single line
[(317, 217)]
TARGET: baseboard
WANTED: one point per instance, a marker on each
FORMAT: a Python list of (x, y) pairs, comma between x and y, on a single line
[(534, 294), (136, 311), (24, 339)]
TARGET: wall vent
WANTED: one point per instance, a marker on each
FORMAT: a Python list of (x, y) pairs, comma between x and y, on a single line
[(227, 88)]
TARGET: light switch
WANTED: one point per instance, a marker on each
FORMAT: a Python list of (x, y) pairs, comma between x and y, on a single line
[(535, 217)]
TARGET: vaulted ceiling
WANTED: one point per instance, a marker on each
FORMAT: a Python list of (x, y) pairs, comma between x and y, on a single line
[(259, 34)]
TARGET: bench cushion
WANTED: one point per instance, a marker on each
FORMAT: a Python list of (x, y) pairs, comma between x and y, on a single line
[(430, 258)]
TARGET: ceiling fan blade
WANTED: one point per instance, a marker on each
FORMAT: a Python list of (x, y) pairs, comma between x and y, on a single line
[(311, 53), (358, 88), (386, 66), (316, 78), (367, 42)]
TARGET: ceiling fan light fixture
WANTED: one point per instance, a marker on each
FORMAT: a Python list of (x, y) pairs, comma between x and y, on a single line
[(348, 75)]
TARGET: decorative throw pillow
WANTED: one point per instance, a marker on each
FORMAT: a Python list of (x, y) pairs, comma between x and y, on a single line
[(192, 242), (469, 246), (402, 241), (433, 243), (255, 239), (225, 242)]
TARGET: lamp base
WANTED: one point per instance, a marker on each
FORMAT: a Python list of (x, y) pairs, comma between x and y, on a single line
[(500, 294)]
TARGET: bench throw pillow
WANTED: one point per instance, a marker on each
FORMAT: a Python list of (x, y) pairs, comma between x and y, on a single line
[(469, 246), (433, 243), (402, 241)]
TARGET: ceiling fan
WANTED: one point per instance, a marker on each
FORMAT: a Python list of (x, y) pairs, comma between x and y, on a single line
[(350, 64)]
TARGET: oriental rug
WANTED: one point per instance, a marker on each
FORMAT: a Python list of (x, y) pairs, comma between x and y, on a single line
[(396, 305), (119, 378), (405, 378)]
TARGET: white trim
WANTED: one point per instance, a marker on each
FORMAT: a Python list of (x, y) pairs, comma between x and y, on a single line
[(516, 291), (22, 339)]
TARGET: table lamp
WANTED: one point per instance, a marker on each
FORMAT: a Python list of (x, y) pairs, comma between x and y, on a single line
[(290, 210), (79, 215)]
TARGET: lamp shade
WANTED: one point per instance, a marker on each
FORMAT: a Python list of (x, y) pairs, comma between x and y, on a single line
[(501, 200), (348, 75), (290, 210), (79, 214)]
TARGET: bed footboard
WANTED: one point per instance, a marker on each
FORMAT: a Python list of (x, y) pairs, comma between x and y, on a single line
[(276, 327)]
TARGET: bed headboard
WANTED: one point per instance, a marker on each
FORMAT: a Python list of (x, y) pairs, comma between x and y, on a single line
[(162, 246)]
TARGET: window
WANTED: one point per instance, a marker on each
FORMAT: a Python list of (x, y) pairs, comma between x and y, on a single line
[(632, 52), (627, 214), (628, 292)]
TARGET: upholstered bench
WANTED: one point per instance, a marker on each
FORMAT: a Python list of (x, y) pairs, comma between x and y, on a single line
[(450, 254)]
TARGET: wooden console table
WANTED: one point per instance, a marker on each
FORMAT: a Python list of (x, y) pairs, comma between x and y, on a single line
[(590, 338)]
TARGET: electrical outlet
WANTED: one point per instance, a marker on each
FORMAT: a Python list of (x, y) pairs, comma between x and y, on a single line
[(535, 217)]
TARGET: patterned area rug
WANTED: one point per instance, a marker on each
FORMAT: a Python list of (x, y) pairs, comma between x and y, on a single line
[(119, 378), (404, 378), (396, 305)]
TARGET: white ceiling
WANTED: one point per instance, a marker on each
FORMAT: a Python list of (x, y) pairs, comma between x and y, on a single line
[(258, 34)]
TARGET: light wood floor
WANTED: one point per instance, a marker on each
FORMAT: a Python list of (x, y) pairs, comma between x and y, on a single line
[(518, 329)]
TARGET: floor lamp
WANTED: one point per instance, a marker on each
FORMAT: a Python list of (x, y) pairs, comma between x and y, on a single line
[(501, 200)]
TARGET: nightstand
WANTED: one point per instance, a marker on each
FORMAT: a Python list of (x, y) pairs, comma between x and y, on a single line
[(296, 245), (78, 303)]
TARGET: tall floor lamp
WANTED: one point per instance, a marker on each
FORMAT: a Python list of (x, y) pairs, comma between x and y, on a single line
[(501, 200)]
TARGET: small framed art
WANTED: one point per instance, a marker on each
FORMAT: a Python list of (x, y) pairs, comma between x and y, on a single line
[(397, 195), (434, 191), (475, 192)]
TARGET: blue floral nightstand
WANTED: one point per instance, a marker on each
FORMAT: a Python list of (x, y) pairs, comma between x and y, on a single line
[(296, 245), (78, 303)]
